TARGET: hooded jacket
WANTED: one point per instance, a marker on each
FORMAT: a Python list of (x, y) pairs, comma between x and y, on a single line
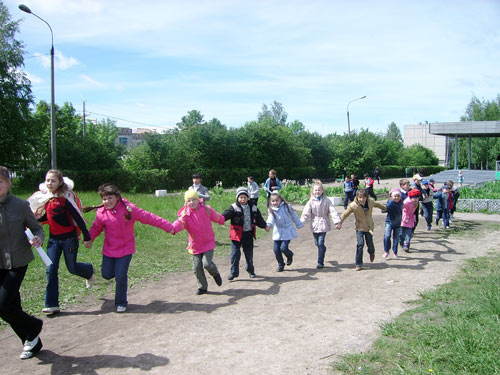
[(198, 223), (319, 211), (119, 237), (282, 219), (364, 220)]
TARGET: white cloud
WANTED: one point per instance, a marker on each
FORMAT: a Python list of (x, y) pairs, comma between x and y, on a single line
[(34, 78), (60, 61)]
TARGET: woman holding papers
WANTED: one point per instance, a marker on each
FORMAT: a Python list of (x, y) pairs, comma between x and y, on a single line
[(15, 255)]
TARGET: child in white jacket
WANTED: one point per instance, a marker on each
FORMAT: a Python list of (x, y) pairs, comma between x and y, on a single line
[(282, 216), (318, 209)]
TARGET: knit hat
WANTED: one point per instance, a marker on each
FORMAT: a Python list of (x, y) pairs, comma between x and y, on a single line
[(417, 177), (425, 182), (431, 180), (395, 190), (190, 194), (414, 193), (242, 190)]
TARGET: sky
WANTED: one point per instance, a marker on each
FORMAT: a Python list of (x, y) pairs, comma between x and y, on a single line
[(147, 63)]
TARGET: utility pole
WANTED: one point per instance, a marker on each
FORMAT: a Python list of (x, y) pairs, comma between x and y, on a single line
[(84, 120)]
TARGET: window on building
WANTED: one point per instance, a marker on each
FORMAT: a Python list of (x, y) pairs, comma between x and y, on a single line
[(124, 141)]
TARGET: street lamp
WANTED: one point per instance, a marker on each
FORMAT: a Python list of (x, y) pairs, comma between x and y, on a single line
[(53, 158), (348, 122)]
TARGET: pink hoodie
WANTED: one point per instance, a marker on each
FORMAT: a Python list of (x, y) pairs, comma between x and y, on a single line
[(119, 238), (198, 224), (408, 220)]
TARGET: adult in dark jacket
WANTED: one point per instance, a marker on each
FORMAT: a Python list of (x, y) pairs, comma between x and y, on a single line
[(15, 255)]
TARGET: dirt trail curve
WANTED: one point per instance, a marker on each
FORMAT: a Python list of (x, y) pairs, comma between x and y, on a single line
[(295, 322)]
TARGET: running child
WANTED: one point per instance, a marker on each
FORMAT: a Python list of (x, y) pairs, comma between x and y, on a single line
[(319, 209), (196, 218), (443, 205), (427, 202), (245, 217), (408, 221), (348, 191), (393, 222), (369, 186), (282, 217), (116, 216), (362, 208), (57, 205)]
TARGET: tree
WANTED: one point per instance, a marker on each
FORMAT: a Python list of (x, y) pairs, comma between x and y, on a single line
[(277, 114), (394, 133), (16, 140), (193, 117)]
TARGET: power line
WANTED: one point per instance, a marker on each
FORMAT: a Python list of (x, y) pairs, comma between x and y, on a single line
[(131, 121)]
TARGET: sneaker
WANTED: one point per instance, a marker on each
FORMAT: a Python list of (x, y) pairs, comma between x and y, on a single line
[(280, 268), (428, 227), (35, 349), (218, 279), (289, 260), (372, 257), (51, 310), (406, 249), (231, 276), (447, 227), (90, 282), (252, 275), (359, 268), (201, 291), (319, 266), (121, 309), (29, 345), (386, 255), (395, 255)]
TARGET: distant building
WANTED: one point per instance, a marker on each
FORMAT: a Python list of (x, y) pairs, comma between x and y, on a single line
[(414, 134), (128, 138)]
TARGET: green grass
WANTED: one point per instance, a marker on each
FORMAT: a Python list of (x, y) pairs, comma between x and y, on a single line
[(490, 190), (452, 330), (157, 252)]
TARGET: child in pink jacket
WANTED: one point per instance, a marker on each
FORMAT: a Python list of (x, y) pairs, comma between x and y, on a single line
[(116, 216), (408, 220), (196, 218)]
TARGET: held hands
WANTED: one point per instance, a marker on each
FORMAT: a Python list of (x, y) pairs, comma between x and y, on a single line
[(338, 226), (268, 228), (36, 242), (88, 244)]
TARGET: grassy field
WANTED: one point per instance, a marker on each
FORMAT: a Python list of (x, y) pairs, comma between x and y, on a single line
[(452, 330), (157, 252)]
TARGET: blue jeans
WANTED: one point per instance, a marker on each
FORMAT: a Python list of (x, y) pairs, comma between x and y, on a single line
[(406, 235), (247, 244), (117, 268), (445, 214), (361, 237), (279, 248), (428, 210), (396, 233), (349, 197), (319, 241), (55, 248)]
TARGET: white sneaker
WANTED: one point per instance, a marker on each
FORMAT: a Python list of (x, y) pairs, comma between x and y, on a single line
[(51, 310), (121, 309), (29, 345), (90, 282), (386, 255)]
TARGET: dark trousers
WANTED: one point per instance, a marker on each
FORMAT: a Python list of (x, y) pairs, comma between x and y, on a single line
[(371, 193), (349, 197), (247, 244), (428, 209), (25, 326), (361, 237)]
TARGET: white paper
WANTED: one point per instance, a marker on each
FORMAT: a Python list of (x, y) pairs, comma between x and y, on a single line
[(40, 250)]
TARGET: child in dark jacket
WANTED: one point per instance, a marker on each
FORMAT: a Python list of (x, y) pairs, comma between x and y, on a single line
[(245, 217), (443, 204), (393, 222)]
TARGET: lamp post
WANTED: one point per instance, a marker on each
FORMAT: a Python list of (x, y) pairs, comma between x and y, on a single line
[(53, 158), (348, 121)]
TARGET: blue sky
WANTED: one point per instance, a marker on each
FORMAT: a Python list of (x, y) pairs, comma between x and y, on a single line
[(151, 62)]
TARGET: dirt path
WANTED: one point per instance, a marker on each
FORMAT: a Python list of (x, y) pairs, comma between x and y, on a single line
[(295, 322)]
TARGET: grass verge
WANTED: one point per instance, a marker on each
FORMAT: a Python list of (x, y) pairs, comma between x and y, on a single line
[(452, 330)]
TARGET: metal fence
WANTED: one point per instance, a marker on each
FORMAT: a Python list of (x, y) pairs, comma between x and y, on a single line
[(476, 205)]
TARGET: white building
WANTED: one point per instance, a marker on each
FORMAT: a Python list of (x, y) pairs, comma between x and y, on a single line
[(126, 136), (414, 134)]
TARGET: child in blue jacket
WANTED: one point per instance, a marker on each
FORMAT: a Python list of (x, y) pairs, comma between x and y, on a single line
[(282, 216), (393, 222)]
